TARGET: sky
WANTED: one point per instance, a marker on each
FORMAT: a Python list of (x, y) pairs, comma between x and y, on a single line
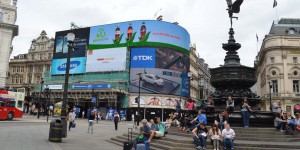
[(206, 21)]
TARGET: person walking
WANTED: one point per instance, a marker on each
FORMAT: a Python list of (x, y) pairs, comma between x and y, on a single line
[(246, 112), (71, 117), (83, 114), (91, 122), (116, 119)]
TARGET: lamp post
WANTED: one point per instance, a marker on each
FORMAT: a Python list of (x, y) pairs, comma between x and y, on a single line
[(47, 95), (39, 102), (270, 87), (139, 100), (70, 38)]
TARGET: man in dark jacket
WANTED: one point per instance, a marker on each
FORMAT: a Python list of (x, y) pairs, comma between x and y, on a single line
[(144, 134)]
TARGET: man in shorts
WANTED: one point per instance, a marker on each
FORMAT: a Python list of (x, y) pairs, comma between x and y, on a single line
[(161, 126)]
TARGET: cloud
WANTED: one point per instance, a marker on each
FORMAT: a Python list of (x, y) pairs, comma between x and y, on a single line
[(206, 21)]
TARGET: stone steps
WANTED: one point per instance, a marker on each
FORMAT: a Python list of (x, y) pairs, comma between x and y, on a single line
[(187, 144), (246, 139)]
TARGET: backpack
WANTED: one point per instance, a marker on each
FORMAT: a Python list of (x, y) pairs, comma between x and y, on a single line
[(289, 130)]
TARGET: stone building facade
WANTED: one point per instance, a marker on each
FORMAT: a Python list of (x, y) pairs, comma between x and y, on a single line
[(8, 30), (27, 70), (277, 64)]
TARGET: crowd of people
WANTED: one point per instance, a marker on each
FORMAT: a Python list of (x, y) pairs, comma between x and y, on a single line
[(285, 121)]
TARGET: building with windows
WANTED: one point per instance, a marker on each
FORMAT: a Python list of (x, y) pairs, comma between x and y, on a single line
[(194, 80), (27, 70), (111, 65), (277, 65), (200, 81), (8, 30), (205, 86)]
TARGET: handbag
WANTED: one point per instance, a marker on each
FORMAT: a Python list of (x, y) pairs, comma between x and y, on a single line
[(73, 125)]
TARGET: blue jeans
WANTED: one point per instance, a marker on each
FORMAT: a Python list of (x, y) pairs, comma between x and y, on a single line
[(246, 116), (221, 126), (230, 142), (201, 143)]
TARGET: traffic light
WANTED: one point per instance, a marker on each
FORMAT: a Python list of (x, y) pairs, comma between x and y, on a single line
[(137, 100)]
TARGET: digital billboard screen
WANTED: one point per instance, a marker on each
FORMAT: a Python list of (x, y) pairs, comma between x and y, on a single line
[(163, 71), (113, 59), (77, 66), (80, 46), (140, 33)]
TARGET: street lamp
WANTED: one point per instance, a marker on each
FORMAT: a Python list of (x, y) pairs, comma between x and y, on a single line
[(270, 87), (70, 38), (39, 102), (138, 99), (47, 95)]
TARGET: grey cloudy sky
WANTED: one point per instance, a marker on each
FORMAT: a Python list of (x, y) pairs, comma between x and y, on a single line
[(206, 20)]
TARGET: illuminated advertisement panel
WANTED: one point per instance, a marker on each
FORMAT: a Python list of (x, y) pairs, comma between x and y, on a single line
[(163, 71), (113, 59), (80, 46), (140, 33), (77, 65)]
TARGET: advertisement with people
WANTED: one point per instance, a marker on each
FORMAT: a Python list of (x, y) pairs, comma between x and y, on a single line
[(140, 33), (77, 66), (113, 59)]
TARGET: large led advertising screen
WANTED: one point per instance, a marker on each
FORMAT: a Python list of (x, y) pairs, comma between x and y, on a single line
[(77, 66), (80, 46), (113, 59), (140, 33), (163, 71)]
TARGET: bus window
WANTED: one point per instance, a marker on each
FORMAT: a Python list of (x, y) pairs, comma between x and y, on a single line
[(20, 104), (11, 104), (2, 104)]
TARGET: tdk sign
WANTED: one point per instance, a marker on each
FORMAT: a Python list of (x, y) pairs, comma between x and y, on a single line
[(142, 58), (73, 64)]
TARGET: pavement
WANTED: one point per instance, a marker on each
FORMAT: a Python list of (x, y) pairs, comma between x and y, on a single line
[(30, 133)]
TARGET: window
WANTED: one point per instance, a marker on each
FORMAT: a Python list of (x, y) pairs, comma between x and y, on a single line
[(17, 79), (295, 60), (273, 72), (13, 80), (30, 69), (18, 69), (296, 86), (20, 104), (1, 16), (22, 69), (14, 69), (275, 86), (272, 60), (29, 79), (21, 79), (295, 73), (37, 79)]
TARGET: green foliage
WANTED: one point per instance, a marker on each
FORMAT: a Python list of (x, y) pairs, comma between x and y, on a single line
[(117, 42)]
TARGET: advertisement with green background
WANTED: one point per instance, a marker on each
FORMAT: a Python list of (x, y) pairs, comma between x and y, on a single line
[(140, 33)]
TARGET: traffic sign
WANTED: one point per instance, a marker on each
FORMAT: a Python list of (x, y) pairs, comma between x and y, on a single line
[(91, 86)]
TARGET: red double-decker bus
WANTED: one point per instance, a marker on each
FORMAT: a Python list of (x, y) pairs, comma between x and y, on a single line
[(11, 105)]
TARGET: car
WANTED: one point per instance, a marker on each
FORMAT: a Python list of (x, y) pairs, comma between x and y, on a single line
[(153, 79)]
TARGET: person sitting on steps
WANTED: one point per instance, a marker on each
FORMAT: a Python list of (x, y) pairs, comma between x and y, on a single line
[(161, 126), (200, 134), (230, 105)]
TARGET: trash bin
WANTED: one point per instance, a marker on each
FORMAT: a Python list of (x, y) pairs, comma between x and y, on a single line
[(55, 131)]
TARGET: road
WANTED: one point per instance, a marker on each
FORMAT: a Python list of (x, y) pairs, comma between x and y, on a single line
[(30, 133)]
